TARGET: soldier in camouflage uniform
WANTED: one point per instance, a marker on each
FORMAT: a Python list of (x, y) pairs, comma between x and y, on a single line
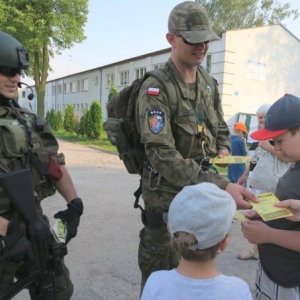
[(47, 169), (179, 131)]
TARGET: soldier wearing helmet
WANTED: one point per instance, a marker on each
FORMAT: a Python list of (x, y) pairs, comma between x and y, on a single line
[(48, 174)]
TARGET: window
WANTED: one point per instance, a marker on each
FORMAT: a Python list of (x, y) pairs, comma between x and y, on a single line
[(23, 94), (110, 80), (73, 87), (124, 78), (66, 88), (59, 89), (208, 63), (77, 107), (84, 84), (74, 106), (158, 66), (53, 90), (139, 73), (96, 80), (87, 106), (81, 106), (78, 85)]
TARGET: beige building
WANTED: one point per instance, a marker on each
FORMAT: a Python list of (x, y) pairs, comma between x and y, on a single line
[(252, 66)]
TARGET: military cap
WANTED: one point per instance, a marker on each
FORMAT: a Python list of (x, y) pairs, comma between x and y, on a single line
[(190, 20)]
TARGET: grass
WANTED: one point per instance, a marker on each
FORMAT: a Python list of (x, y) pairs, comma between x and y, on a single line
[(103, 144)]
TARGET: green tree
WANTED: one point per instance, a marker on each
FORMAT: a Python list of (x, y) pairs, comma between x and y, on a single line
[(69, 118), (83, 121), (112, 91), (94, 123), (50, 118), (77, 125), (44, 27), (59, 124), (234, 14)]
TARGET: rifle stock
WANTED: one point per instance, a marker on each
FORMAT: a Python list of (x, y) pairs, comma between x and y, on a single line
[(48, 253)]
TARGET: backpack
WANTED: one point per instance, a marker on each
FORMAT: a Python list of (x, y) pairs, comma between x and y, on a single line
[(120, 125)]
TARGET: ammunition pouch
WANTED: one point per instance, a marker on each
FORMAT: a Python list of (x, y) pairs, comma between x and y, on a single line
[(152, 219)]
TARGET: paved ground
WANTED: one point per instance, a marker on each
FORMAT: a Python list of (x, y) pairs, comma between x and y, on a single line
[(103, 257)]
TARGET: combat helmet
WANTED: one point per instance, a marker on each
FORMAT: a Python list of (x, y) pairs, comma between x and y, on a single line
[(12, 53)]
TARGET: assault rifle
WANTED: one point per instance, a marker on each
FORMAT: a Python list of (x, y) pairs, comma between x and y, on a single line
[(48, 253)]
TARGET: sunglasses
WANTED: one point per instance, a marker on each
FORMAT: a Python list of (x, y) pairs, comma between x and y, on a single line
[(193, 44), (10, 72)]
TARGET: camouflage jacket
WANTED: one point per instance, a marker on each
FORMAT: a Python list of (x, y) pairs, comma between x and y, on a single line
[(14, 145), (169, 131)]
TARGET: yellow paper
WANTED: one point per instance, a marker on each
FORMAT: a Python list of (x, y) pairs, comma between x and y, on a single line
[(230, 160), (240, 216), (266, 209)]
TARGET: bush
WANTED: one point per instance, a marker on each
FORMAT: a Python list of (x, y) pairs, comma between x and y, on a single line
[(69, 119), (77, 125), (50, 118), (94, 121), (58, 121), (83, 123), (112, 91)]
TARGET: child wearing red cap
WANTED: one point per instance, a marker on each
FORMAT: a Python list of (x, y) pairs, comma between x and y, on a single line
[(278, 270)]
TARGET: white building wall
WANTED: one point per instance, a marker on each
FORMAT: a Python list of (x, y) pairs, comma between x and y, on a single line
[(259, 67)]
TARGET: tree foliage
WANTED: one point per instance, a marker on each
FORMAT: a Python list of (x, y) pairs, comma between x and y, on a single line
[(59, 124), (112, 91), (69, 118), (50, 118), (83, 123), (44, 27), (94, 121), (234, 14)]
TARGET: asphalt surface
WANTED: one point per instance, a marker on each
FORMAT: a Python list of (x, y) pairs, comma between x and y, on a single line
[(103, 257)]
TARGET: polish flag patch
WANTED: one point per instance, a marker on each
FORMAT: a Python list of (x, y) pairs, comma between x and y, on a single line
[(153, 91)]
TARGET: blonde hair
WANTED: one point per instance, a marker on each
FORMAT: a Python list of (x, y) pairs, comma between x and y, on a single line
[(181, 243)]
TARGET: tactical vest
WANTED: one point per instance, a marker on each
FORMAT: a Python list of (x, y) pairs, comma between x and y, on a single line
[(14, 145)]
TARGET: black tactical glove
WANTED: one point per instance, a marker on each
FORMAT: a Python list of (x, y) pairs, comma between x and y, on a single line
[(15, 246), (72, 217)]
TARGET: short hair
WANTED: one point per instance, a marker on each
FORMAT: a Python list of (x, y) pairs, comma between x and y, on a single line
[(263, 109), (183, 240), (293, 131)]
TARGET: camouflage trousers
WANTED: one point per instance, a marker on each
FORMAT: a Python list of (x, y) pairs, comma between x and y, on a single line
[(11, 270), (155, 252)]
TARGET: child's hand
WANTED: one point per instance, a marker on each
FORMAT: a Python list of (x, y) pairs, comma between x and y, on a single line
[(256, 232), (252, 215), (293, 205)]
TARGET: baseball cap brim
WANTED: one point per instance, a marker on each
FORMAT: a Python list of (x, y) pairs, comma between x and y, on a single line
[(199, 36), (263, 134)]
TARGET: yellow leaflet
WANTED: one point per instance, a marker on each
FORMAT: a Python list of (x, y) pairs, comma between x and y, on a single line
[(240, 216), (266, 209), (230, 160)]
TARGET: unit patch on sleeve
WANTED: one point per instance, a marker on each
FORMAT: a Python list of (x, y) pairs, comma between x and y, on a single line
[(156, 120), (153, 91)]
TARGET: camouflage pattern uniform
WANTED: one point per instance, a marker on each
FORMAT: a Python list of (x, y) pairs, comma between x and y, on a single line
[(12, 157), (178, 131)]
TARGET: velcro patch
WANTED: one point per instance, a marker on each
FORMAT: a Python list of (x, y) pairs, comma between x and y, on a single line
[(153, 91), (156, 120)]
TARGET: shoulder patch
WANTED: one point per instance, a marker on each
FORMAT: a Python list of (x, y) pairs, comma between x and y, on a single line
[(156, 120), (153, 91)]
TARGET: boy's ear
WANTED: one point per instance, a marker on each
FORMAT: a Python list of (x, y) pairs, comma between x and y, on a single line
[(224, 243)]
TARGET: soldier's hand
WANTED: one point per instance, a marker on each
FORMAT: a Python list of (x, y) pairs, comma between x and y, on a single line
[(241, 195), (15, 246), (71, 216), (221, 154)]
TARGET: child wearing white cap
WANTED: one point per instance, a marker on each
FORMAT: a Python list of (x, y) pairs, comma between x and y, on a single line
[(200, 218)]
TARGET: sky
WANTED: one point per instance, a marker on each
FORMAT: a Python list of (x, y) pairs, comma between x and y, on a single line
[(121, 29)]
